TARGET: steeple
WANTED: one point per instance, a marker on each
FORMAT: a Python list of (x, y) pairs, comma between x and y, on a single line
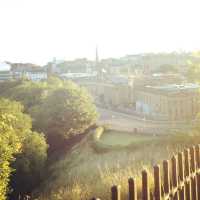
[(97, 55)]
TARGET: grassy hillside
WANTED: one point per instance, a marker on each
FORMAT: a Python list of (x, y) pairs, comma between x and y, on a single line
[(85, 173)]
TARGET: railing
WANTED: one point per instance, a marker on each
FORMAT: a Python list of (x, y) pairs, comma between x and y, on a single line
[(179, 180)]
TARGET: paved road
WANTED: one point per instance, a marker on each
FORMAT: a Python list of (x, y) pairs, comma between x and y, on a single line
[(125, 122)]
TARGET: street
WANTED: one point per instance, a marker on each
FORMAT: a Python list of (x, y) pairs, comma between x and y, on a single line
[(126, 122)]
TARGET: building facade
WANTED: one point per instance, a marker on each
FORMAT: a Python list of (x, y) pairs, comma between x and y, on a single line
[(29, 71), (169, 102), (111, 94)]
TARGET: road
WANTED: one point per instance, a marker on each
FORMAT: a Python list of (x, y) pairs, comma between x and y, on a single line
[(126, 122)]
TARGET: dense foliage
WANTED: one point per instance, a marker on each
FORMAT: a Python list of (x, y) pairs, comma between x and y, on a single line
[(10, 145), (15, 129), (29, 165), (67, 111), (193, 73), (59, 109)]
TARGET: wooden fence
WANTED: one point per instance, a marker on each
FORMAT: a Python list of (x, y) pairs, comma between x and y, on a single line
[(178, 179)]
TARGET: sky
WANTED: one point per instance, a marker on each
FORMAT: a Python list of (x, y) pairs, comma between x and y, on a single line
[(38, 30)]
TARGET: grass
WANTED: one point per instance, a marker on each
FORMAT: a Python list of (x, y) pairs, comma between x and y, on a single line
[(113, 138), (83, 173)]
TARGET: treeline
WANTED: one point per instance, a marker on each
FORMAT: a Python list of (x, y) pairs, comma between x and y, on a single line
[(37, 119)]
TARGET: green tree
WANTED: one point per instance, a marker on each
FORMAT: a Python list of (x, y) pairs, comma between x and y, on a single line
[(193, 72), (28, 93), (59, 109), (167, 68), (7, 85), (10, 144), (18, 142), (21, 123), (67, 111), (29, 165)]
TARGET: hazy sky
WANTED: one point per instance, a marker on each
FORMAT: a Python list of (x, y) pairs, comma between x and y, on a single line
[(38, 30)]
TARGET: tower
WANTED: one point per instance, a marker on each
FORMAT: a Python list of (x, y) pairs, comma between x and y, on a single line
[(98, 66), (97, 56)]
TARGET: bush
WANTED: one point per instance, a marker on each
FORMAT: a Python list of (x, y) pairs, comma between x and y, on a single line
[(18, 144), (29, 165), (58, 109), (98, 132), (66, 112)]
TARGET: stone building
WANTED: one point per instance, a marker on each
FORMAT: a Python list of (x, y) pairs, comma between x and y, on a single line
[(111, 94), (169, 102)]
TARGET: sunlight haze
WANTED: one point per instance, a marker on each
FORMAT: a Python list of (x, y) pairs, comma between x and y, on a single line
[(38, 30)]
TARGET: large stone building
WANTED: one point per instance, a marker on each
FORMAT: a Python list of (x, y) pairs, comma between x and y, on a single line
[(169, 102), (108, 94)]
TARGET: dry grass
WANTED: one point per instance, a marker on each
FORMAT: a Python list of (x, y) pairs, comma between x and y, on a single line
[(84, 174)]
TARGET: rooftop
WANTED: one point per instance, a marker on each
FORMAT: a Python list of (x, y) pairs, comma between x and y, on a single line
[(171, 89)]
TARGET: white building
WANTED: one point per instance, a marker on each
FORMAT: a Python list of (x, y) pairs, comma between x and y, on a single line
[(29, 71), (36, 75), (5, 71)]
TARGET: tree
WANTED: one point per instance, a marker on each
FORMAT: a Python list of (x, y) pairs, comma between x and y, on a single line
[(29, 165), (18, 142), (67, 111), (59, 109), (20, 122), (167, 68), (9, 84), (193, 72), (28, 93), (10, 144)]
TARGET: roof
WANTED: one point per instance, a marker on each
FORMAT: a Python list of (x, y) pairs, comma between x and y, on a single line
[(77, 75), (172, 89), (4, 66), (118, 79)]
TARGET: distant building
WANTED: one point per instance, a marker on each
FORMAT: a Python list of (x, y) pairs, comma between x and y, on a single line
[(169, 102), (29, 71), (157, 79), (118, 79), (55, 69), (78, 76), (111, 94), (36, 75), (5, 72)]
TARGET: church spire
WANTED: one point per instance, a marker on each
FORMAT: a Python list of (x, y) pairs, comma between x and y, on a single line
[(97, 55)]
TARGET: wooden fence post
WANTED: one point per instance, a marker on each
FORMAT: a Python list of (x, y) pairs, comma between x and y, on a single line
[(132, 189), (145, 186), (157, 183), (193, 171), (180, 166), (183, 183), (187, 174), (193, 159), (181, 176), (115, 192), (174, 176), (166, 177), (197, 150)]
